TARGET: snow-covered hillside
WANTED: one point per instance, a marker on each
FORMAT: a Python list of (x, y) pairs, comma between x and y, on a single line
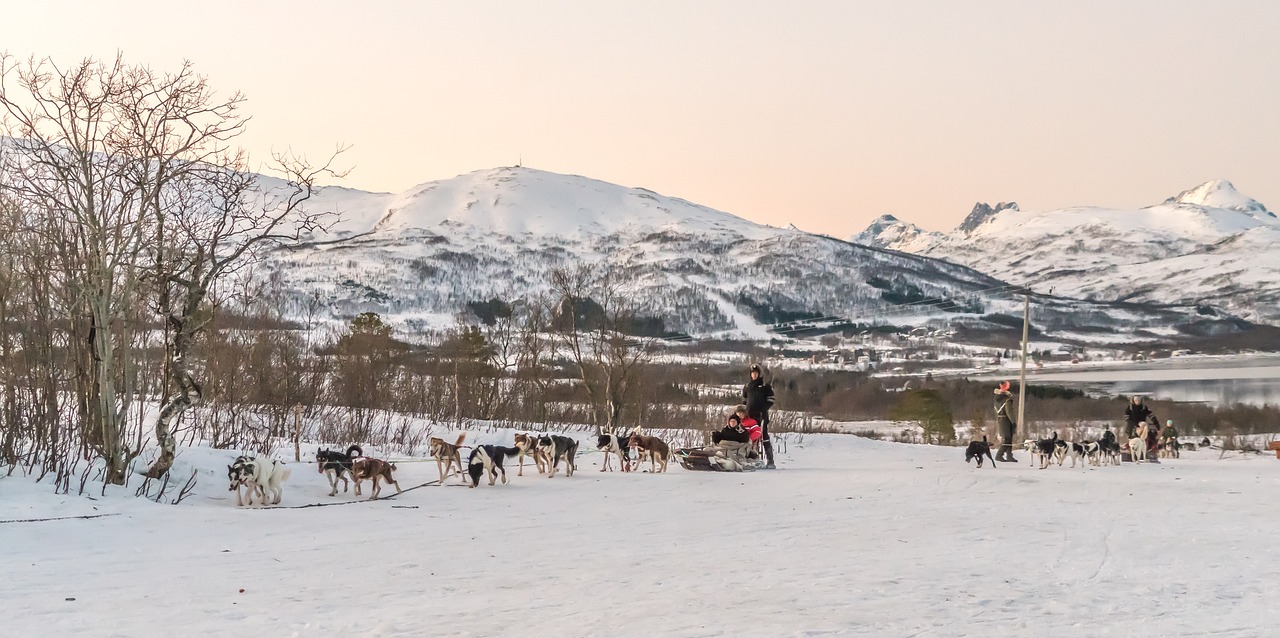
[(421, 256), (424, 254), (1210, 245)]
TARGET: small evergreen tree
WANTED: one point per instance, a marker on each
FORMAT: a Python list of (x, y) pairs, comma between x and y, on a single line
[(932, 412)]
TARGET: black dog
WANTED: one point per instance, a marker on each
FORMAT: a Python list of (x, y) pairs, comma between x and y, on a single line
[(977, 449), (337, 466), (1046, 448), (489, 457)]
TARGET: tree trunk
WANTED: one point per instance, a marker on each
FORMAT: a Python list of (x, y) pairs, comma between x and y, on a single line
[(104, 391), (188, 391)]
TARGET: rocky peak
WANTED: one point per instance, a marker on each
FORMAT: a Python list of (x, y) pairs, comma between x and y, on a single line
[(981, 213)]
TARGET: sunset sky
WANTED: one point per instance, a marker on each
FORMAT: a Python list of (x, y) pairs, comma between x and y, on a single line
[(820, 114)]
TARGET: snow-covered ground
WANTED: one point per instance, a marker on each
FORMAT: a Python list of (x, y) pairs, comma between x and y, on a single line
[(850, 537)]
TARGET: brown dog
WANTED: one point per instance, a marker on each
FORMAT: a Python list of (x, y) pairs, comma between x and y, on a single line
[(375, 469), (528, 446), (447, 456), (657, 450)]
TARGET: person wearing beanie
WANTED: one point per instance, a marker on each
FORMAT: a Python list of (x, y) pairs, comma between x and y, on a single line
[(758, 397), (732, 431), (1169, 439), (1005, 422), (1136, 413)]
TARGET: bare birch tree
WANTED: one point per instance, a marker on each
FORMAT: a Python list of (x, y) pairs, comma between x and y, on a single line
[(145, 197), (69, 162)]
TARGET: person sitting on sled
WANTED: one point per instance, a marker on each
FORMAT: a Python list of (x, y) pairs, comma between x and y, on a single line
[(733, 431), (754, 432)]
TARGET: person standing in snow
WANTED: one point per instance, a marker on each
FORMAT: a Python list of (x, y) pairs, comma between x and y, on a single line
[(758, 396), (1169, 436), (1137, 413), (1005, 422)]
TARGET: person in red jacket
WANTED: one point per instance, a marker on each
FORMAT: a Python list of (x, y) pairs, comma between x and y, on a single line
[(755, 432)]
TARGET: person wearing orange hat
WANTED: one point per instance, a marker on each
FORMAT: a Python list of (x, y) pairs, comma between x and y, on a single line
[(1005, 422)]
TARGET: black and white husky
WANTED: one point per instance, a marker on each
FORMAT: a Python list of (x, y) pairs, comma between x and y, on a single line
[(336, 466), (555, 447), (613, 444), (1045, 450), (1065, 449), (260, 476), (488, 458)]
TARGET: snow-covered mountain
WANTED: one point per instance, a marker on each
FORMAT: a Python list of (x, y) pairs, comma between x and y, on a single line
[(1208, 246), (419, 257)]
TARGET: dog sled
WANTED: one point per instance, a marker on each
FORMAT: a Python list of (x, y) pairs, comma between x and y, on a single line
[(725, 457)]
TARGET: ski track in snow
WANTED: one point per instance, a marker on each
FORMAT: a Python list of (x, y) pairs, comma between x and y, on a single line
[(851, 537)]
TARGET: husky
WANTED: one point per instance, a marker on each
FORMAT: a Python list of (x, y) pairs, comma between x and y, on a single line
[(447, 455), (376, 469), (612, 444), (488, 458), (259, 476), (528, 444), (1068, 449), (553, 448), (1046, 449), (336, 466), (655, 448), (978, 449)]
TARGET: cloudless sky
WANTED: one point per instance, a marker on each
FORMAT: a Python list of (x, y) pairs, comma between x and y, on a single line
[(825, 114)]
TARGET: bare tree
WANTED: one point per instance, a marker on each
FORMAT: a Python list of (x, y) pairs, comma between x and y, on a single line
[(534, 352), (596, 320), (218, 222), (143, 196), (72, 161)]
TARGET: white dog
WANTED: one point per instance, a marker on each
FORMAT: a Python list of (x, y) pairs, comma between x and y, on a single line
[(258, 476), (1137, 450)]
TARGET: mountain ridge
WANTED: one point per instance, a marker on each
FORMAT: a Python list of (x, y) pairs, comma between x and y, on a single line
[(1104, 254), (422, 257)]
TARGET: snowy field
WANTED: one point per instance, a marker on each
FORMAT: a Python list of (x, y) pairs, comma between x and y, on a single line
[(851, 537)]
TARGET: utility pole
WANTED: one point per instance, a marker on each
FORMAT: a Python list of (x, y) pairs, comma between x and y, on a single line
[(1022, 377)]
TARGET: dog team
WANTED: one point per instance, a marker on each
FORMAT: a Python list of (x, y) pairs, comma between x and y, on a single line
[(547, 452), (258, 476), (262, 478), (1145, 437)]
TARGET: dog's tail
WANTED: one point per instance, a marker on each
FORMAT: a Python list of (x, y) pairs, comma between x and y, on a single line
[(354, 451), (461, 437)]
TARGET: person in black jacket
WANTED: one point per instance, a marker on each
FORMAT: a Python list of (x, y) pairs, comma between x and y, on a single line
[(733, 431), (1136, 413), (758, 396)]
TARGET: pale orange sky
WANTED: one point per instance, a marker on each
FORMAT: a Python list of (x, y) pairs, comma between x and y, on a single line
[(821, 114)]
